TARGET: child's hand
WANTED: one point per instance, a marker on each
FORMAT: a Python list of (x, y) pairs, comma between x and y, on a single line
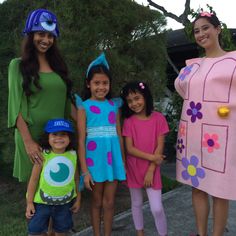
[(76, 206), (30, 210), (159, 158), (148, 179), (88, 181)]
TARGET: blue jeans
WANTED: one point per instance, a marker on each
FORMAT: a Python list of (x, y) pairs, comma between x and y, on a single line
[(61, 218)]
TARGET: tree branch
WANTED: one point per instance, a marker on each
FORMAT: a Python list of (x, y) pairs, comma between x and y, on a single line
[(182, 19)]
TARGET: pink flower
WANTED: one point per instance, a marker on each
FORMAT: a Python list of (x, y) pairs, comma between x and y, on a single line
[(205, 13), (210, 142), (181, 130), (141, 85)]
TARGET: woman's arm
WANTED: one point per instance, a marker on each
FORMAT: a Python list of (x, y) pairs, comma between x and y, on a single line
[(73, 112), (32, 148), (81, 127)]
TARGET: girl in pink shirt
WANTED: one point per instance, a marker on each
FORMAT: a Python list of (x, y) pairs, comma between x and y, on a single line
[(144, 133)]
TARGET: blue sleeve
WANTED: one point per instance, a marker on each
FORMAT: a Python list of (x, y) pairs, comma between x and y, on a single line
[(118, 102), (79, 102)]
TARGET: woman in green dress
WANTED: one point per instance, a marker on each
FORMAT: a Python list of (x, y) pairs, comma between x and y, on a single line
[(39, 89)]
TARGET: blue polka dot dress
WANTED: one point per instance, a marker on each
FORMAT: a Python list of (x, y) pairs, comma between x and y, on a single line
[(103, 152)]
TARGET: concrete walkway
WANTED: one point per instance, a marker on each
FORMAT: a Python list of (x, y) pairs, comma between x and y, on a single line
[(178, 208)]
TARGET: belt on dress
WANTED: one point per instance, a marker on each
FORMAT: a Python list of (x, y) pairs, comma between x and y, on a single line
[(101, 131)]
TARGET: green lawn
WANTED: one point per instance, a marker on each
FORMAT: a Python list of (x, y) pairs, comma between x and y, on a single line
[(12, 206)]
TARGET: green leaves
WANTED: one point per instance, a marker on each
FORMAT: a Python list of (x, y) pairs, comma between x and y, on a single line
[(130, 34)]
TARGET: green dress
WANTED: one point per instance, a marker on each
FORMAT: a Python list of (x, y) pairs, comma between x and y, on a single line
[(48, 103)]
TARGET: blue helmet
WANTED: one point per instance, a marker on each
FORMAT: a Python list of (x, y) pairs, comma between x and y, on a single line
[(41, 20)]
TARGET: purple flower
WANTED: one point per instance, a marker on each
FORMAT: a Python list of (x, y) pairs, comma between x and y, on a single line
[(185, 72), (194, 111), (192, 171), (180, 145)]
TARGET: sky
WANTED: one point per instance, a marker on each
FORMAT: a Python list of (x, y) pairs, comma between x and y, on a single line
[(225, 10)]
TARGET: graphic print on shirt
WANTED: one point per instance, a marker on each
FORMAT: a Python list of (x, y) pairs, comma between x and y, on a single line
[(57, 177)]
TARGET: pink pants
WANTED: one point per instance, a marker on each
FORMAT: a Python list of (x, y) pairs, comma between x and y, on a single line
[(154, 197)]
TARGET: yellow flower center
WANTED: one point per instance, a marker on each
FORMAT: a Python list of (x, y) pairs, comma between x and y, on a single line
[(192, 170)]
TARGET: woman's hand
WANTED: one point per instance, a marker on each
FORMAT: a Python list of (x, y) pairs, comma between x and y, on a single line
[(32, 148), (88, 181), (34, 151), (148, 179), (30, 210)]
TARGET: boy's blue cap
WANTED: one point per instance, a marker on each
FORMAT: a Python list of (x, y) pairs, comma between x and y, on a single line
[(57, 125), (101, 60), (41, 20)]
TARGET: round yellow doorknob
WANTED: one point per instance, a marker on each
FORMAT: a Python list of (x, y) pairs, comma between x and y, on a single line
[(223, 111)]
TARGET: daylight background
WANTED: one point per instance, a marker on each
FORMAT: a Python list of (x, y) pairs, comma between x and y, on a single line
[(225, 9)]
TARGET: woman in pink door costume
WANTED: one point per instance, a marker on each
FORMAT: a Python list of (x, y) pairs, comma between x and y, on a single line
[(206, 141)]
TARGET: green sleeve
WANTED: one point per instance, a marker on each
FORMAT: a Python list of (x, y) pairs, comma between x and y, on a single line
[(17, 101)]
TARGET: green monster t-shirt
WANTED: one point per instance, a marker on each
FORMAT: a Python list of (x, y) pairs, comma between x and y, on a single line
[(57, 182)]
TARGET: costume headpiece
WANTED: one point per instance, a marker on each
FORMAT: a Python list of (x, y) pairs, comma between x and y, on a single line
[(58, 125), (101, 60), (141, 85), (41, 20), (205, 13)]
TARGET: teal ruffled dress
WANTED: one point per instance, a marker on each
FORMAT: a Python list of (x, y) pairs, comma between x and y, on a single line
[(103, 151)]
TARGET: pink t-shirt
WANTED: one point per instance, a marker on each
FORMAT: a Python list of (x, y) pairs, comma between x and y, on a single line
[(144, 134)]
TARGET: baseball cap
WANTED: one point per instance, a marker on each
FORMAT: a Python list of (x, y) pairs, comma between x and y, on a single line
[(57, 125)]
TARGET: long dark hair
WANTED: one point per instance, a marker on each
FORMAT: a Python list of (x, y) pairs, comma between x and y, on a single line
[(136, 87), (29, 65), (99, 69)]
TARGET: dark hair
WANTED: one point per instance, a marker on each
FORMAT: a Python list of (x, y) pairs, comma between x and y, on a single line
[(98, 69), (211, 18), (136, 87), (44, 142), (29, 65)]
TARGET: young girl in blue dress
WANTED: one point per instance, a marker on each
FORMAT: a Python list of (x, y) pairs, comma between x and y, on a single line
[(100, 143)]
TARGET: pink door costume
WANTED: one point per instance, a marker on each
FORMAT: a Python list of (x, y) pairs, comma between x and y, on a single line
[(206, 158)]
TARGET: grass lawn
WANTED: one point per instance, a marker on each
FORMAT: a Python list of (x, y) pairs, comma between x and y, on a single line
[(12, 205), (12, 208)]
